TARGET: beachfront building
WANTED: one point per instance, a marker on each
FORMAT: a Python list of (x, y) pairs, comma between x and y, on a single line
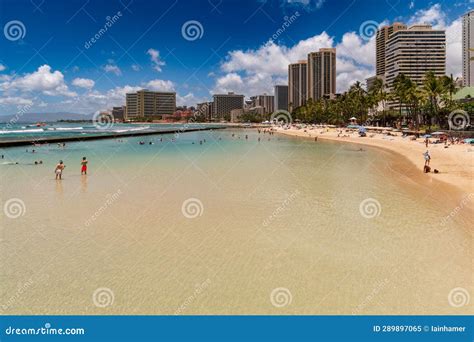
[(382, 37), (370, 81), (224, 103), (321, 79), (235, 115), (280, 98), (265, 101), (145, 103), (206, 109), (297, 84), (468, 49), (415, 51), (118, 113)]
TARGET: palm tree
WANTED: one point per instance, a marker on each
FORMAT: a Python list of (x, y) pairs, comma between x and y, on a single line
[(357, 97), (379, 95), (449, 86), (415, 97), (433, 89), (401, 85)]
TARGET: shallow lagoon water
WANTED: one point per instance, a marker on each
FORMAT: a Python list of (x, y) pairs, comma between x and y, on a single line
[(232, 226)]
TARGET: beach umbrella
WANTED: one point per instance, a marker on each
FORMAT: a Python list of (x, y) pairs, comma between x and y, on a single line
[(427, 136), (353, 119), (438, 133)]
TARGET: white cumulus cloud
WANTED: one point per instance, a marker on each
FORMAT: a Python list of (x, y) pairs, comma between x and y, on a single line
[(111, 68), (17, 101), (432, 15), (83, 83), (155, 59), (160, 85), (43, 80), (435, 16), (253, 72)]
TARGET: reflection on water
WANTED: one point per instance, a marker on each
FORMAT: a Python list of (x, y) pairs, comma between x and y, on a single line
[(84, 183), (336, 230), (59, 187)]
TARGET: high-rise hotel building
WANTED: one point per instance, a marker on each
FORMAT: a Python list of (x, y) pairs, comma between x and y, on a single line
[(468, 49), (145, 103), (415, 51), (380, 40), (321, 74), (297, 84), (224, 103), (281, 97), (206, 109), (265, 101)]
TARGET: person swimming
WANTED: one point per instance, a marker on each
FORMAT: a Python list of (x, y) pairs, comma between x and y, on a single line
[(84, 166), (59, 169)]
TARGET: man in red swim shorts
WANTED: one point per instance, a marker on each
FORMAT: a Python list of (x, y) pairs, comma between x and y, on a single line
[(84, 166)]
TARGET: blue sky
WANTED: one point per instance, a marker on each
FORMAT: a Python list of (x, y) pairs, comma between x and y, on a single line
[(50, 64)]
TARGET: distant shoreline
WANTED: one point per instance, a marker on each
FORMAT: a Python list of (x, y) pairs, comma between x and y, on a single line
[(28, 142)]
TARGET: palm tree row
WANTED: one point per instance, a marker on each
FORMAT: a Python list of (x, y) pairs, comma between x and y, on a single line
[(426, 104)]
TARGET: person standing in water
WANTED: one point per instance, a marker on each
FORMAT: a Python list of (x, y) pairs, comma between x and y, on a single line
[(59, 169), (84, 166)]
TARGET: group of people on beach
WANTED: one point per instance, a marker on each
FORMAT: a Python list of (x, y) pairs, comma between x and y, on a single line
[(61, 166)]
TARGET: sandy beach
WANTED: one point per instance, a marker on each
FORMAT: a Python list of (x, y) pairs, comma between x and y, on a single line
[(455, 163)]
